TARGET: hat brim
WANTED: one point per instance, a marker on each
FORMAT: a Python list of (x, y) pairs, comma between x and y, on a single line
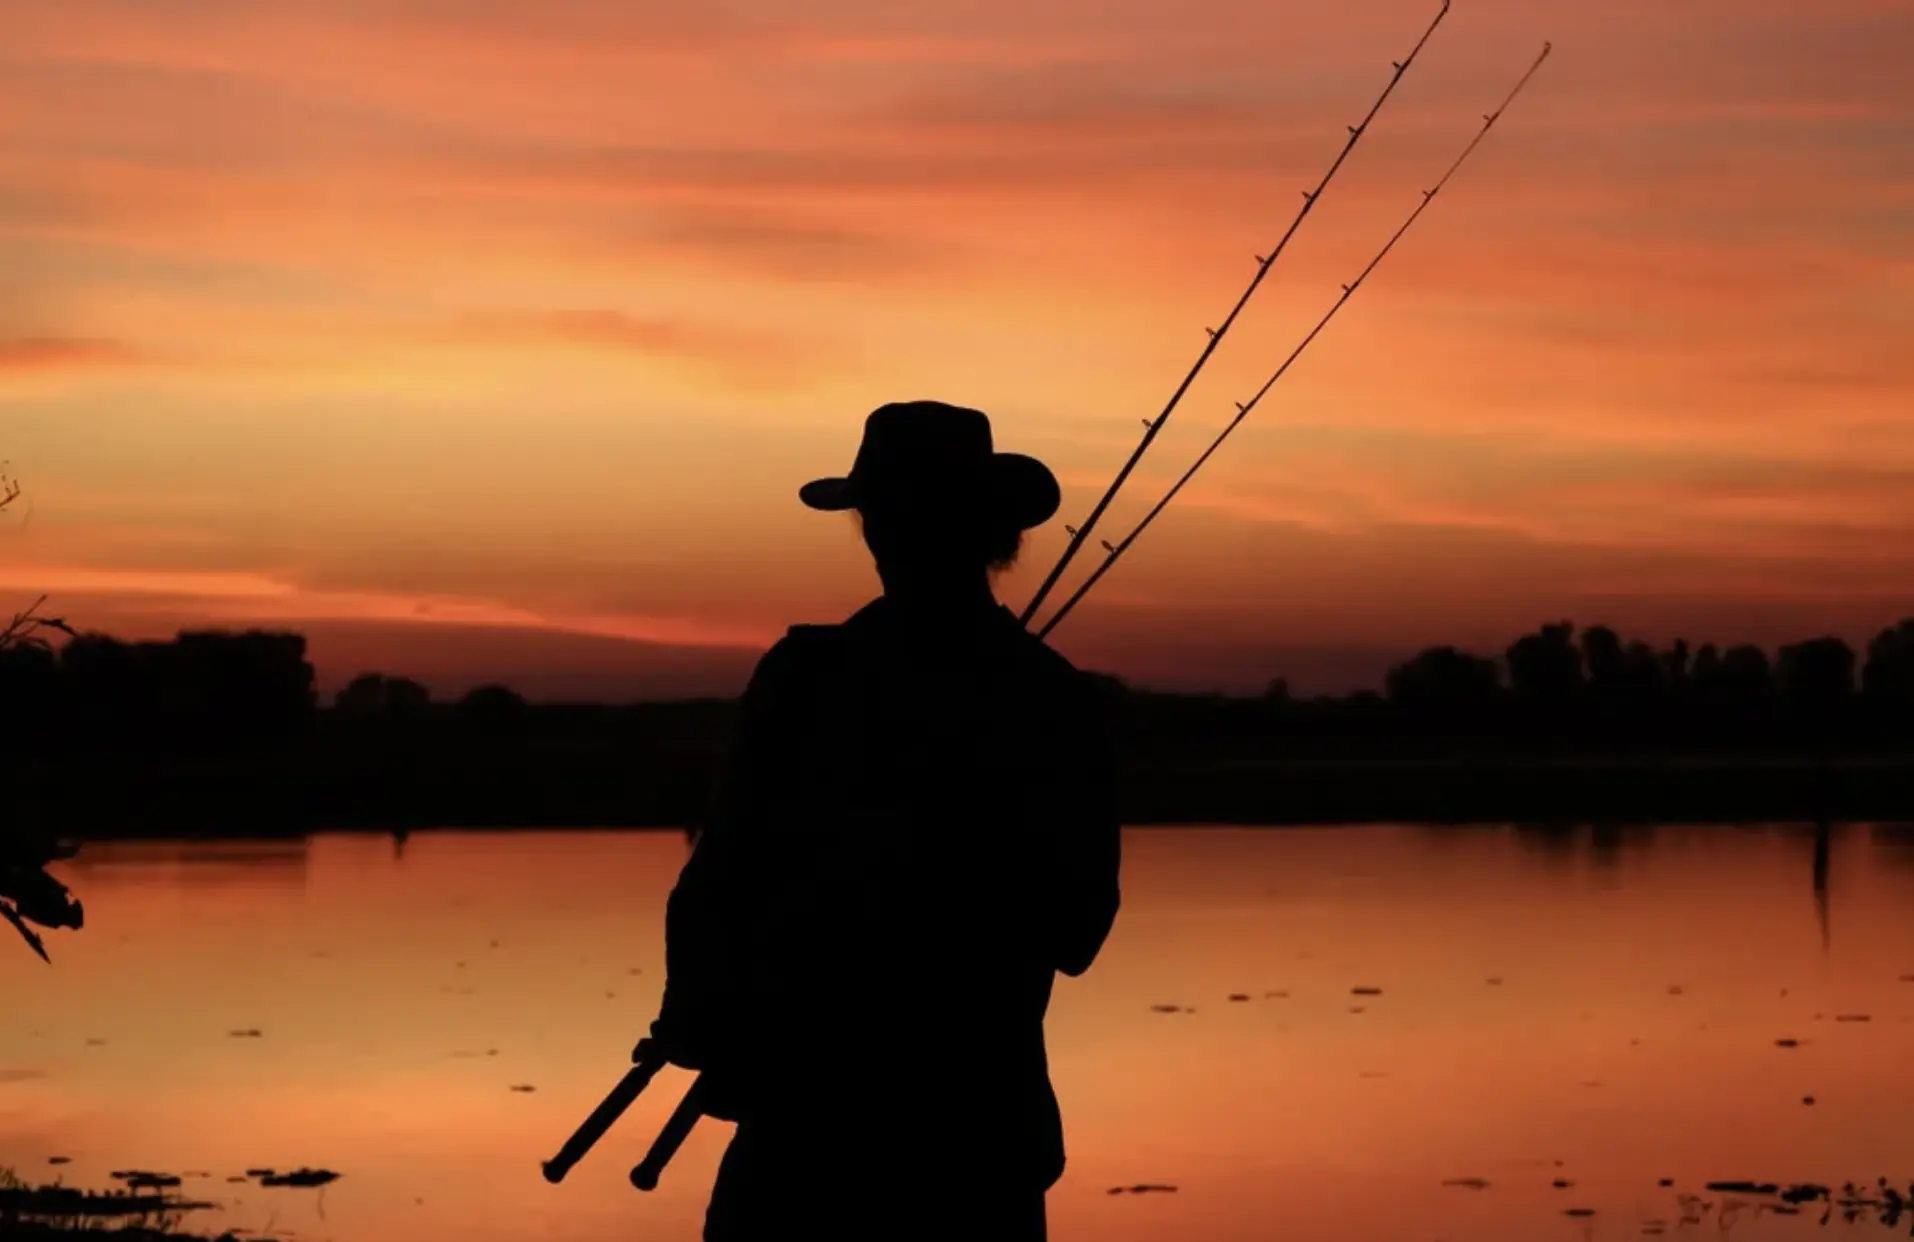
[(1019, 488)]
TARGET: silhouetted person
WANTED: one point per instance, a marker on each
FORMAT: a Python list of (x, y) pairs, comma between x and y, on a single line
[(917, 830)]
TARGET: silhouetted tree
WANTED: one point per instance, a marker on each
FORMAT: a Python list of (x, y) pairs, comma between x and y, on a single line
[(493, 709), (28, 689), (256, 684), (1816, 681), (1602, 658), (1888, 677), (1746, 667), (376, 694), (1642, 678), (1545, 665), (1545, 678), (1445, 678), (1676, 664)]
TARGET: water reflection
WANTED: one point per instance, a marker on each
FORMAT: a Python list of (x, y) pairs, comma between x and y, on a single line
[(197, 864), (1895, 845), (1377, 1033)]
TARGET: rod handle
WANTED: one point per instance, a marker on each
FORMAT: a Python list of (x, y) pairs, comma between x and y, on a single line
[(683, 1118), (646, 1063)]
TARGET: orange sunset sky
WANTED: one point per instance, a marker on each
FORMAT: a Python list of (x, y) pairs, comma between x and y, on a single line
[(490, 339)]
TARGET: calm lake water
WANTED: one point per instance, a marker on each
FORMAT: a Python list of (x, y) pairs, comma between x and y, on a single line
[(1598, 1008)]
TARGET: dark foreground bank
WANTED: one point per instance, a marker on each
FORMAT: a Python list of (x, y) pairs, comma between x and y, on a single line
[(511, 787)]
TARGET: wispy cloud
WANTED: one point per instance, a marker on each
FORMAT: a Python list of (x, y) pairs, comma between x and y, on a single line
[(261, 599), (64, 353), (715, 351)]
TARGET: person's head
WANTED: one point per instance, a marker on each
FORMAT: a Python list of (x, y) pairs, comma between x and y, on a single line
[(933, 498), (909, 540)]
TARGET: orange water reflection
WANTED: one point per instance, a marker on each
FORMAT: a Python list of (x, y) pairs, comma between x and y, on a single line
[(1644, 979)]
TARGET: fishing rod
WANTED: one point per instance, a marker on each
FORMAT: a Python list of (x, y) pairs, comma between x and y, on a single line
[(1112, 552), (1263, 263)]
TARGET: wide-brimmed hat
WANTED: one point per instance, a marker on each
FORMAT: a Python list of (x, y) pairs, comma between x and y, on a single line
[(929, 455)]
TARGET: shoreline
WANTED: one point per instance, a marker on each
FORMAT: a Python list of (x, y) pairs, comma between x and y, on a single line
[(478, 792)]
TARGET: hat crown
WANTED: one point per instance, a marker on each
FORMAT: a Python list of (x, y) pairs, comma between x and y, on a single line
[(921, 439)]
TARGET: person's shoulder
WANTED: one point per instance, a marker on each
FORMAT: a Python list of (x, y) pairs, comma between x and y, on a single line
[(802, 643), (800, 648)]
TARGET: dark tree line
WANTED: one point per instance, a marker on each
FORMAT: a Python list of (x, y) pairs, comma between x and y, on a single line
[(1557, 687), (1595, 684), (202, 688), (205, 689)]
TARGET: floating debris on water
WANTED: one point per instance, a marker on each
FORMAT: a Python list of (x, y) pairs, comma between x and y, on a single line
[(1365, 991), (1468, 1183), (1787, 1043), (1170, 1009), (1143, 1188), (68, 1203), (236, 1178), (524, 1087), (1807, 1099), (1666, 1182), (1275, 996), (301, 1177), (258, 1172), (1744, 1188), (1562, 1183), (251, 1032), (1853, 1017), (1238, 998), (1495, 981), (1675, 989), (59, 1160), (1356, 1009), (1578, 1212)]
